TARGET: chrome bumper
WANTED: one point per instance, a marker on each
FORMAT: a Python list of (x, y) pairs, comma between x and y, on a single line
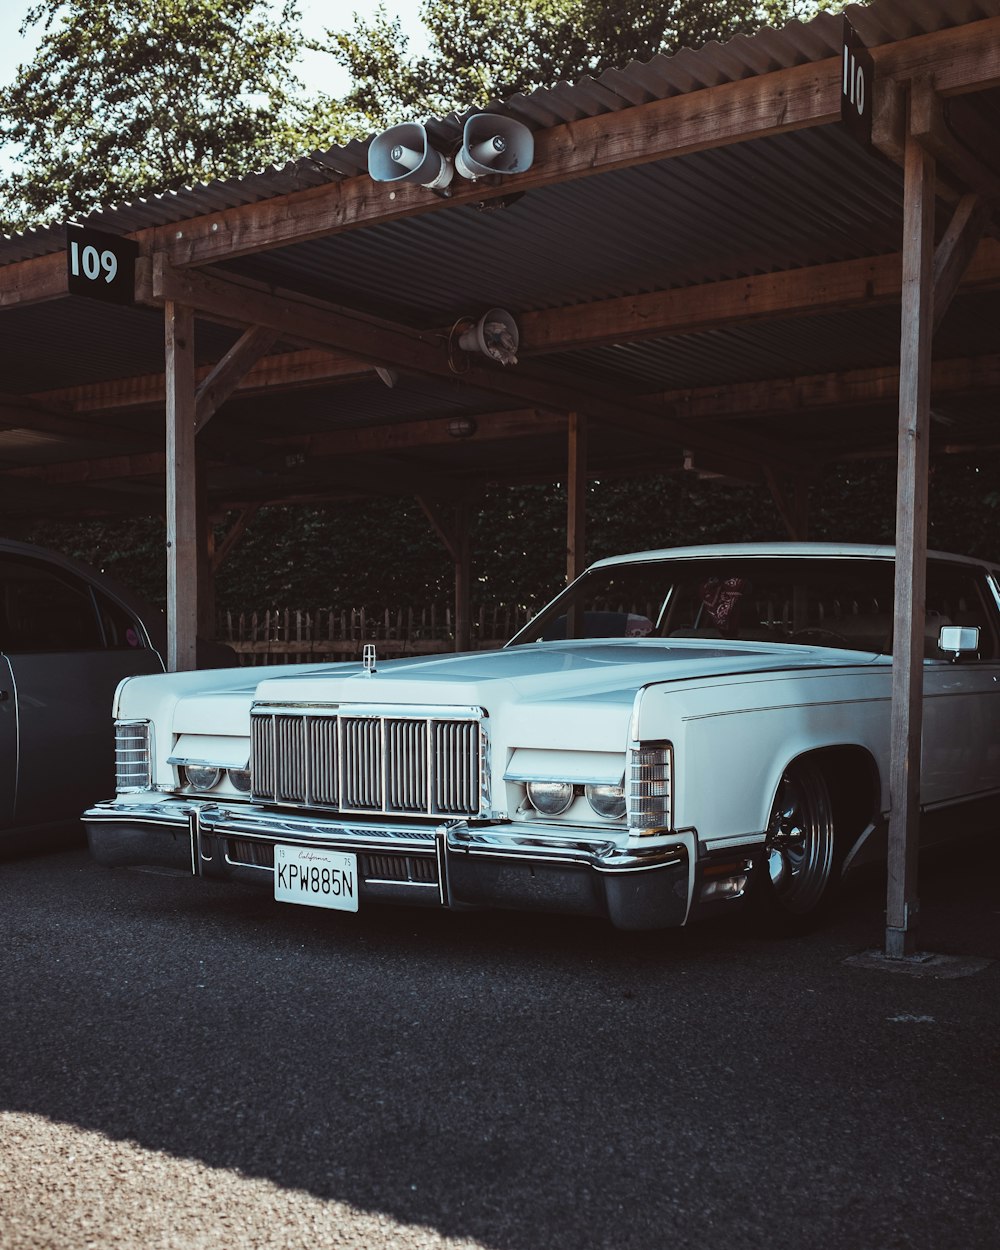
[(455, 864)]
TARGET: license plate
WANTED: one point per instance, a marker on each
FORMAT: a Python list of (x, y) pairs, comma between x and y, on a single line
[(316, 878)]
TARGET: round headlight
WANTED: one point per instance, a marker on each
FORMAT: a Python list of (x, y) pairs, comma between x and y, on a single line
[(201, 776), (607, 801), (240, 778), (551, 798)]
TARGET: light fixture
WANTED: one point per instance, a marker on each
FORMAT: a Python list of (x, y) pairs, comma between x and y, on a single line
[(495, 335), (462, 427)]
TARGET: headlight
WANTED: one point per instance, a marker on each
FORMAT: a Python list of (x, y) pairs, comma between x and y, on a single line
[(551, 798), (201, 776), (240, 778), (607, 801), (133, 756)]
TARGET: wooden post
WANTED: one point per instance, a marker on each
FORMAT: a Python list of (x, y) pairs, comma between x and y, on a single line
[(576, 496), (455, 532), (182, 529), (911, 550), (463, 577), (206, 552)]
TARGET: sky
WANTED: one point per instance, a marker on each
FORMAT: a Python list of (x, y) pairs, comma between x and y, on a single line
[(318, 72)]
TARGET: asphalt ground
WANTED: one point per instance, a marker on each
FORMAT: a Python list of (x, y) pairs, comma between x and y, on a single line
[(188, 1064)]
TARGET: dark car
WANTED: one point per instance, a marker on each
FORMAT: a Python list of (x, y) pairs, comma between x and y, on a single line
[(68, 635)]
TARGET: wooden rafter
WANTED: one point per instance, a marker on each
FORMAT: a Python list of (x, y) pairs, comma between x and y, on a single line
[(222, 380), (429, 353)]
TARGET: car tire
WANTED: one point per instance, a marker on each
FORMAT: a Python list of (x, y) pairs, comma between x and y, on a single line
[(798, 872)]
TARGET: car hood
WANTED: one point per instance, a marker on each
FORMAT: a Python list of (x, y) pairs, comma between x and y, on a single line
[(580, 694), (591, 670)]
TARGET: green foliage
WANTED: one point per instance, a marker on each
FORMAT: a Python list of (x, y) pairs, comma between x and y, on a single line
[(129, 96), (384, 553), (481, 51)]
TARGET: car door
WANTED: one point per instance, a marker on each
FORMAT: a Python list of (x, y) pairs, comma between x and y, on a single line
[(8, 744), (65, 645), (961, 736)]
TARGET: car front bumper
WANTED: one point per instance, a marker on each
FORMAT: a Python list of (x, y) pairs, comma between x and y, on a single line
[(456, 865)]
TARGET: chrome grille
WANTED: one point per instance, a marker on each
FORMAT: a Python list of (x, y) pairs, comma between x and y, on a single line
[(370, 762), (133, 767)]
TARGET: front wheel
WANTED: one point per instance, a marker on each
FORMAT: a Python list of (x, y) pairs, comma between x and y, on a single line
[(798, 871)]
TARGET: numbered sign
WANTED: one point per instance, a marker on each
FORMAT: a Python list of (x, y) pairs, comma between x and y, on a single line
[(100, 265), (857, 91)]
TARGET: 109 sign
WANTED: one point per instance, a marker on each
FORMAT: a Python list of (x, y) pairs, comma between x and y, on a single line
[(100, 265)]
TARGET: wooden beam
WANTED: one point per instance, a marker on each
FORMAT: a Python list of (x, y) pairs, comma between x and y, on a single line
[(215, 389), (576, 496), (929, 127), (819, 393), (30, 413), (911, 551), (284, 371), (233, 535), (874, 282), (755, 107), (811, 394), (33, 281), (792, 501), (959, 60), (454, 528), (963, 58), (953, 253), (429, 352), (182, 528)]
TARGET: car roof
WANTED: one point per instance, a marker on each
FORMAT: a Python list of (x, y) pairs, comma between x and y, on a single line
[(869, 551)]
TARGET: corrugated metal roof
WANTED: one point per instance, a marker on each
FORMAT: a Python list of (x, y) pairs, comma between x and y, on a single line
[(793, 200), (797, 199), (640, 82)]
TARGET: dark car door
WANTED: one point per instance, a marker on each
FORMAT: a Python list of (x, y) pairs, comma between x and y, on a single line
[(8, 744), (65, 646)]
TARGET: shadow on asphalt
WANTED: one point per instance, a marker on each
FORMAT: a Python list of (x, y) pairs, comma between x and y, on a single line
[(523, 1080)]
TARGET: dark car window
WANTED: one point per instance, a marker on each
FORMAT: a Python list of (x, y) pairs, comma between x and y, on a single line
[(46, 609), (955, 597), (824, 601)]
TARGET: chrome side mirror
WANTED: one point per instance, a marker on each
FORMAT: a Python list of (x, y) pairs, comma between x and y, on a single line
[(959, 640)]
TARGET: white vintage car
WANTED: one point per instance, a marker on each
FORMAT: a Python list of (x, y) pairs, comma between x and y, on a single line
[(678, 732)]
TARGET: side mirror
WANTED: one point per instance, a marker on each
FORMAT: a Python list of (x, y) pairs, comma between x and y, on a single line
[(959, 640)]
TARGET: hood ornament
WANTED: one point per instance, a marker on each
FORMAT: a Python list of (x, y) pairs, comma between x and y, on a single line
[(368, 658)]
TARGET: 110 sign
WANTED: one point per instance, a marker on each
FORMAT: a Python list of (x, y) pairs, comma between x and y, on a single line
[(856, 93), (100, 265)]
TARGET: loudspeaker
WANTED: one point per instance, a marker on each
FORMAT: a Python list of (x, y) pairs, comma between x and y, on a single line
[(403, 153), (493, 144), (495, 335)]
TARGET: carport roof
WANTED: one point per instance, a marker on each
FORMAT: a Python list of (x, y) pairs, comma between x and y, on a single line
[(701, 260)]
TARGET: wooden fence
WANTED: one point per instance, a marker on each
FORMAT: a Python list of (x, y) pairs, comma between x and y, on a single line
[(296, 636)]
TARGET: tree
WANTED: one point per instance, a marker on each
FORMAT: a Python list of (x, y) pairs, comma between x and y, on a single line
[(481, 51), (144, 96)]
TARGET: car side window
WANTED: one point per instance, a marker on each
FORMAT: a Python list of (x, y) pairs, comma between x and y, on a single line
[(121, 631), (43, 609), (955, 596)]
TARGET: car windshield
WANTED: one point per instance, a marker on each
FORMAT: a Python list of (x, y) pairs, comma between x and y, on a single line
[(835, 602)]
